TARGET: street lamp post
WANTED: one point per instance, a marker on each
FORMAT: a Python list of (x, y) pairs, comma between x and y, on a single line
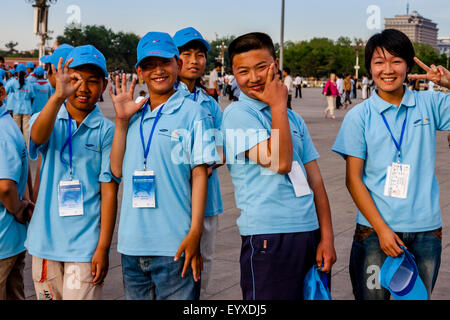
[(282, 36), (41, 22), (221, 57)]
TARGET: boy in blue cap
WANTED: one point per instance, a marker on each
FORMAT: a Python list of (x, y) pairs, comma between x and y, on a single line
[(161, 147), (42, 90), (285, 221), (14, 206), (71, 229), (193, 50), (30, 70), (389, 144)]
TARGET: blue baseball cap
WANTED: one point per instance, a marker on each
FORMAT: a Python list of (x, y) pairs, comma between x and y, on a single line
[(30, 65), (12, 71), (400, 276), (87, 54), (156, 44), (21, 67), (39, 71), (61, 52), (189, 34), (2, 74)]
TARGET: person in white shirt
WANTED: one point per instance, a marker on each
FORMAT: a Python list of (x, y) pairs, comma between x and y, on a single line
[(365, 87), (213, 84), (298, 86), (289, 83)]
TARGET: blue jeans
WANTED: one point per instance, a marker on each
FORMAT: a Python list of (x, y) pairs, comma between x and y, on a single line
[(366, 259), (156, 277)]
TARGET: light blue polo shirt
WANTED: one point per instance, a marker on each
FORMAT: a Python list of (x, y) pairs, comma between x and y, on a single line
[(43, 92), (10, 101), (214, 204), (13, 166), (266, 199), (363, 134), (22, 97), (73, 238), (183, 138)]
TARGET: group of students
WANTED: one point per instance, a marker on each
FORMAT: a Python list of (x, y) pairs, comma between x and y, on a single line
[(28, 91), (166, 149)]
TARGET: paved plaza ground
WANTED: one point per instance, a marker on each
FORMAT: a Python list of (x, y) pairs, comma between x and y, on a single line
[(224, 283)]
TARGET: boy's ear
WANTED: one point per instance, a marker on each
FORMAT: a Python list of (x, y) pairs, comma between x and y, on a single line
[(277, 65), (139, 73), (105, 84), (180, 64)]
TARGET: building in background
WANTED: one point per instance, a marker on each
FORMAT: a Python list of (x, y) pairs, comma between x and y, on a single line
[(416, 27)]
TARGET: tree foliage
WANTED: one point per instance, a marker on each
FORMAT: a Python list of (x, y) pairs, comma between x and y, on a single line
[(119, 48)]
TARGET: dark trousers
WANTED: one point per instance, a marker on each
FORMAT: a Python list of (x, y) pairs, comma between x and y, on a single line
[(298, 91), (289, 101), (274, 266)]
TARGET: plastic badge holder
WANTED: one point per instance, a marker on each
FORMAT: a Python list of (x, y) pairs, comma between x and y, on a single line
[(316, 285)]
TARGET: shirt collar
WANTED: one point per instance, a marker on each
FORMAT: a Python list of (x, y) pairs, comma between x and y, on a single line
[(92, 120), (381, 105), (256, 103), (170, 106)]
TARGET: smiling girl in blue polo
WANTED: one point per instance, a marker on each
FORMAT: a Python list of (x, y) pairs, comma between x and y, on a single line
[(389, 143)]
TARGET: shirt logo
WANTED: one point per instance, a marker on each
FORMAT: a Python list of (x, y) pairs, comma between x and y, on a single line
[(420, 122), (163, 130)]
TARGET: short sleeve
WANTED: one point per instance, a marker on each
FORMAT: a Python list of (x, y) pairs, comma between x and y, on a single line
[(309, 151), (105, 173), (33, 148), (10, 162), (441, 103), (350, 140), (242, 130), (202, 143)]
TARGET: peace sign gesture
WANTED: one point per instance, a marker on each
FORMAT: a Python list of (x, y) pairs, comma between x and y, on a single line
[(66, 83), (123, 102), (437, 74)]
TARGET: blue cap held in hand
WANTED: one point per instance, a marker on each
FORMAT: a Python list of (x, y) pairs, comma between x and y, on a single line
[(189, 34), (401, 277), (156, 44), (88, 54)]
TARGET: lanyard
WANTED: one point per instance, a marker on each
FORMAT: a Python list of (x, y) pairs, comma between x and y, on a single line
[(195, 91), (68, 143), (6, 112), (147, 149), (397, 144)]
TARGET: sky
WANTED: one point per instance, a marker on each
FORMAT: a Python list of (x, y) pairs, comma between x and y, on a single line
[(304, 19)]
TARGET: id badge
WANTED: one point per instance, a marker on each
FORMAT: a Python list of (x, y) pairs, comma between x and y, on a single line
[(298, 180), (397, 179), (70, 198), (144, 189)]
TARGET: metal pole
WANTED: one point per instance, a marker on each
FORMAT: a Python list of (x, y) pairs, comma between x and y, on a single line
[(282, 36)]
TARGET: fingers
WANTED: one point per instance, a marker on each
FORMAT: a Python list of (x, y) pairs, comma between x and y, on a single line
[(187, 262), (124, 83), (132, 87), (66, 65), (195, 265), (59, 65), (111, 92), (270, 74), (76, 76), (421, 64), (117, 85)]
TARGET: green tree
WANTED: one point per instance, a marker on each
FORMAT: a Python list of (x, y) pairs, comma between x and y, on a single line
[(214, 52), (11, 47)]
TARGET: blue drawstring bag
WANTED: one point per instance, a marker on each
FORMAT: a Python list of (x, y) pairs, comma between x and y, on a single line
[(315, 286)]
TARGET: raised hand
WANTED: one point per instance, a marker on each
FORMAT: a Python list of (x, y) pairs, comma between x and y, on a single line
[(437, 74), (275, 93), (123, 102), (66, 83)]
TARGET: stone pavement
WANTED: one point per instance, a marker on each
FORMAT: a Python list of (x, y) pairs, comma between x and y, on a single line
[(224, 282)]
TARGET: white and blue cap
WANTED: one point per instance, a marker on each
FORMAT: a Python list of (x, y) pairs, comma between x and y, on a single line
[(400, 276), (61, 52), (156, 44), (39, 71), (88, 54), (189, 34)]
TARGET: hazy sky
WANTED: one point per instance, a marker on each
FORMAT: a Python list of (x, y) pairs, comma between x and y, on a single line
[(303, 19)]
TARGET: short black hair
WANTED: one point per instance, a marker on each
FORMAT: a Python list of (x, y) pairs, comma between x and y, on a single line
[(251, 41), (393, 41), (217, 64), (194, 44), (287, 70)]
